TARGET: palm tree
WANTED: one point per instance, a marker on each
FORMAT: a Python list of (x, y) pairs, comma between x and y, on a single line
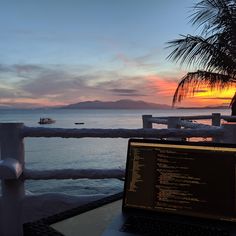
[(213, 52)]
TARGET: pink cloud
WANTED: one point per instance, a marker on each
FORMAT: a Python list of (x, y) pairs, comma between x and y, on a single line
[(163, 86)]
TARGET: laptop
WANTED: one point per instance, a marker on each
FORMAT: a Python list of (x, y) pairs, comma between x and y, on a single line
[(178, 188)]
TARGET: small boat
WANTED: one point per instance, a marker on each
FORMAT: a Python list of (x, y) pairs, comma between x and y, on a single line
[(79, 123), (44, 121)]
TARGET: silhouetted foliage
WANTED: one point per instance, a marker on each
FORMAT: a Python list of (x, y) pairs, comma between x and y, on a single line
[(213, 52)]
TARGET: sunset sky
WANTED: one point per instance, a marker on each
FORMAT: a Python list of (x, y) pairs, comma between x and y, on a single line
[(56, 52)]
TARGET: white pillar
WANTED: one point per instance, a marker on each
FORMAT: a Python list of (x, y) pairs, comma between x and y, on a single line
[(146, 123), (13, 191), (216, 121), (229, 133), (173, 123), (216, 117)]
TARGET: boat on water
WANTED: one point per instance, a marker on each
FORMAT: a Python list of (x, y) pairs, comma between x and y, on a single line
[(79, 123), (46, 120)]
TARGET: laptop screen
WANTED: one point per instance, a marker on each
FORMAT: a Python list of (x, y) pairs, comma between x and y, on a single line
[(181, 177)]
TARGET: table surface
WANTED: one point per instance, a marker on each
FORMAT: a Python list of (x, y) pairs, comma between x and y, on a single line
[(92, 222)]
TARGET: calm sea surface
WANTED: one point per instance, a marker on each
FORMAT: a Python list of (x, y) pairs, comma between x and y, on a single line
[(56, 153)]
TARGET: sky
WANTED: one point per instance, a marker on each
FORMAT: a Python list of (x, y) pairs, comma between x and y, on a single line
[(58, 52)]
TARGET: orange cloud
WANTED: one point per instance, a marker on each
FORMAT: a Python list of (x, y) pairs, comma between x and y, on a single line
[(163, 86), (30, 102)]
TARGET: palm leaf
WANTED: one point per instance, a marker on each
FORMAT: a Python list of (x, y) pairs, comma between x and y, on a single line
[(193, 81), (208, 54), (213, 53), (213, 15), (233, 100)]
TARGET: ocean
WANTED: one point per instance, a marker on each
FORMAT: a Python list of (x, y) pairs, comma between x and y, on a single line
[(58, 153)]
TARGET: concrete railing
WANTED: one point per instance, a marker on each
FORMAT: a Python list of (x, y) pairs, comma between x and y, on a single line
[(13, 174), (225, 132)]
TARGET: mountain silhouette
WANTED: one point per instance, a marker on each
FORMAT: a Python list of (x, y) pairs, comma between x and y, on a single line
[(120, 104)]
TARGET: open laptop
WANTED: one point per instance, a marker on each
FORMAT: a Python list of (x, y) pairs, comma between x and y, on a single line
[(178, 188)]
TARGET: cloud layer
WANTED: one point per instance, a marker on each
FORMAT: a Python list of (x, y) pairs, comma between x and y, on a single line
[(61, 84), (36, 85)]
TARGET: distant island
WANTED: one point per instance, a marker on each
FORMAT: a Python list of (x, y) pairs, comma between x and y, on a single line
[(206, 107), (120, 104)]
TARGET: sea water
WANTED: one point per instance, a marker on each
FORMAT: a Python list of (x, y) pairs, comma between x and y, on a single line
[(100, 153)]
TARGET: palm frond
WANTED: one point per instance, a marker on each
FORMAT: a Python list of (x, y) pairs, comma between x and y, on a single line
[(233, 100), (213, 15), (213, 52), (217, 17), (208, 54), (193, 81)]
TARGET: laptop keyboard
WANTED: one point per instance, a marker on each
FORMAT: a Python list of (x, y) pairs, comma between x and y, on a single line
[(152, 227)]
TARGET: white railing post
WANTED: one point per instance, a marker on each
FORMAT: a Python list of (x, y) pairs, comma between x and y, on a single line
[(146, 122), (174, 123), (13, 191), (229, 133), (216, 121), (216, 117)]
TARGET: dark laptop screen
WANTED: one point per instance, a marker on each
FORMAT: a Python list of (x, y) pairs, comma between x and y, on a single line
[(189, 179)]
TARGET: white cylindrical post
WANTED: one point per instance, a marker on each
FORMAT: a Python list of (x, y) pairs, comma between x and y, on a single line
[(216, 117), (13, 191), (174, 123), (229, 133), (216, 121), (146, 122)]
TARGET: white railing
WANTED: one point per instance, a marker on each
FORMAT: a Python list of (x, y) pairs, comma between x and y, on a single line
[(13, 174)]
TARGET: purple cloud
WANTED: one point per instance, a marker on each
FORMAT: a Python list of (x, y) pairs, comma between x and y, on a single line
[(127, 92)]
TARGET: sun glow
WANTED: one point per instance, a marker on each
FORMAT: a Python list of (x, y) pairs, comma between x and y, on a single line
[(203, 96), (218, 97)]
